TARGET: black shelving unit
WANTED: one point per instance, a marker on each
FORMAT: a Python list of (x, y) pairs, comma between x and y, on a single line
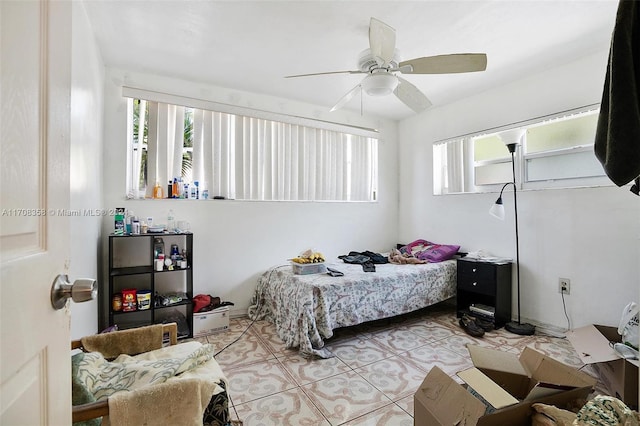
[(487, 284), (131, 266)]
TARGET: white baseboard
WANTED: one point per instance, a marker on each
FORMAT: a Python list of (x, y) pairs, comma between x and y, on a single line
[(238, 313), (548, 329)]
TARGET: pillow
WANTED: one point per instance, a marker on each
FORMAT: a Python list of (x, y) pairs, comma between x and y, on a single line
[(432, 252)]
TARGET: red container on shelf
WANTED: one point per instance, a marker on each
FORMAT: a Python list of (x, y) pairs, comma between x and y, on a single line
[(129, 300)]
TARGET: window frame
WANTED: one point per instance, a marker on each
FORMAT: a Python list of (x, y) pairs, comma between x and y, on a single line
[(521, 158), (353, 136)]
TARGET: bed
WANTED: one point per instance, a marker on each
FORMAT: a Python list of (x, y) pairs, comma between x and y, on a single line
[(307, 308)]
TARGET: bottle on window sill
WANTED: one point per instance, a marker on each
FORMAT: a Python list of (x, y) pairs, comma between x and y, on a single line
[(157, 191), (197, 192), (204, 191), (175, 189)]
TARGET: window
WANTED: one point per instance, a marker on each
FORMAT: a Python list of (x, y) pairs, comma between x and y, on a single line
[(245, 157), (555, 151)]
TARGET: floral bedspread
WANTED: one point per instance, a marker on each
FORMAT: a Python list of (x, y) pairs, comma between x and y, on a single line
[(307, 308)]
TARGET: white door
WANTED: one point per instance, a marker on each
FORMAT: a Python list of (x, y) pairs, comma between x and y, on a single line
[(35, 75)]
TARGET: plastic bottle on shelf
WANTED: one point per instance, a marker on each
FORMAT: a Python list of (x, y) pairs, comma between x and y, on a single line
[(175, 189), (197, 185), (204, 191), (135, 225), (119, 224), (171, 221), (127, 222), (157, 191), (158, 248), (175, 252), (180, 188)]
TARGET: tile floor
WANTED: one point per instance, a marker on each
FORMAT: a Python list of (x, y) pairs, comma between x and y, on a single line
[(371, 381)]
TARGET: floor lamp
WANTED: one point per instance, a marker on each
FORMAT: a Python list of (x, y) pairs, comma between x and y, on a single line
[(511, 139)]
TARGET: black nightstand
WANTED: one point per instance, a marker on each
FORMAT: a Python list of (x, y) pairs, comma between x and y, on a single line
[(487, 284)]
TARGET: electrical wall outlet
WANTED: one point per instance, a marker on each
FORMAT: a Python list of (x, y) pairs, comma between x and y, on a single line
[(564, 286)]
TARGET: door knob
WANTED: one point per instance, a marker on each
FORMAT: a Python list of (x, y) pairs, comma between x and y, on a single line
[(82, 290)]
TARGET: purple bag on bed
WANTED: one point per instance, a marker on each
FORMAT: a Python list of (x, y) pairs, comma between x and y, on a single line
[(425, 250)]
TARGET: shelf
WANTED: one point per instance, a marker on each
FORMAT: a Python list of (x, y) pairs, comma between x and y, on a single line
[(476, 314), (133, 270), (172, 270), (137, 311), (152, 234), (132, 266), (184, 302)]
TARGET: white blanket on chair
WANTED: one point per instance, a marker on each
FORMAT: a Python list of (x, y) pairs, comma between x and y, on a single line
[(171, 386)]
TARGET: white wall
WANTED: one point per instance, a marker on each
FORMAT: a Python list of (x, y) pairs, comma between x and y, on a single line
[(87, 82), (236, 241), (589, 235)]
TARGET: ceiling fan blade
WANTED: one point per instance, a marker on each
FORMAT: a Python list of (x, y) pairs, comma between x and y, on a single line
[(411, 96), (382, 40), (326, 73), (346, 98), (445, 64)]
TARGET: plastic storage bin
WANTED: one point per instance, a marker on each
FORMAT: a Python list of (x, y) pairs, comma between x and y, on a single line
[(211, 322), (308, 268)]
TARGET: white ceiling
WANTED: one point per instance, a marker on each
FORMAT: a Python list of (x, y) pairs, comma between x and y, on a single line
[(252, 45)]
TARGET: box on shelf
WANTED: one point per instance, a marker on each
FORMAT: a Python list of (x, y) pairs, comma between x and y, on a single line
[(308, 268), (500, 389), (619, 375), (210, 322)]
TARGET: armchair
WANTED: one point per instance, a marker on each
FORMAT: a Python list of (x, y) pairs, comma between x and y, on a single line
[(128, 377)]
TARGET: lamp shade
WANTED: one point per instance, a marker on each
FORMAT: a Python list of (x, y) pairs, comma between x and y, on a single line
[(497, 210), (512, 137), (379, 84)]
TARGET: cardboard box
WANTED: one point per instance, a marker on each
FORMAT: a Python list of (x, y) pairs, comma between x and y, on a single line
[(214, 321), (501, 387), (619, 375)]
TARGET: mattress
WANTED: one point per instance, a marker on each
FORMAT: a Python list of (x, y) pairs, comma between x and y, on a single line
[(307, 308)]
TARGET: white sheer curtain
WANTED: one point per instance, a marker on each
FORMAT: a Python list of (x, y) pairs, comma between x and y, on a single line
[(455, 166), (165, 142), (214, 152), (448, 167), (282, 161), (136, 141), (363, 176)]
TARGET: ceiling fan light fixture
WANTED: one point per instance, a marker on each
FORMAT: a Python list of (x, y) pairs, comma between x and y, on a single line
[(379, 84)]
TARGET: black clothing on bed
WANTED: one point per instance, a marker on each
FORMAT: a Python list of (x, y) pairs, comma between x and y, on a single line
[(366, 258), (373, 257)]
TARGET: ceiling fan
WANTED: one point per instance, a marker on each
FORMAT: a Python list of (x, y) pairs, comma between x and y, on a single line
[(381, 62)]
